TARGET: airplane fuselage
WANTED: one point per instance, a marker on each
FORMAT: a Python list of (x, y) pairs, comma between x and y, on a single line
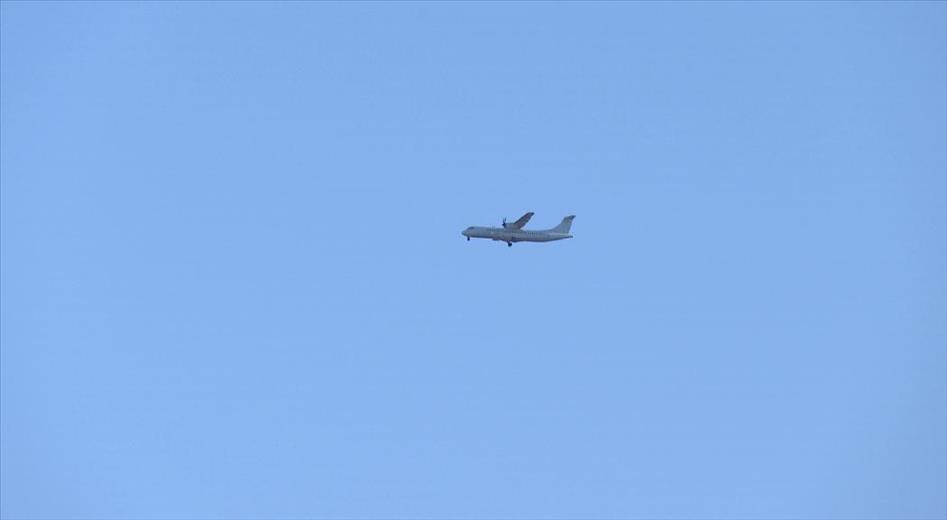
[(513, 235)]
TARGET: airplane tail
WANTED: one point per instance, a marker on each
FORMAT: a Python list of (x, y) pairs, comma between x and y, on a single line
[(564, 226)]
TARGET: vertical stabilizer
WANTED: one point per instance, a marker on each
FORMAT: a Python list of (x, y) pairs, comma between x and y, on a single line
[(564, 226)]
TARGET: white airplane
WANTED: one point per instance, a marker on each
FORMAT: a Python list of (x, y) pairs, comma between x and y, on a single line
[(514, 232)]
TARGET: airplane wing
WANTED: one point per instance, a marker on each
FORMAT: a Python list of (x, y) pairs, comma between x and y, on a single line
[(519, 223)]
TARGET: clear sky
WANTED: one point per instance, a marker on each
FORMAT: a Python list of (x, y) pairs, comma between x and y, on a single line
[(234, 285)]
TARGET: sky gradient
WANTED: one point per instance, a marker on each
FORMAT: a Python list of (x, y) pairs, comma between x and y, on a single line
[(232, 280)]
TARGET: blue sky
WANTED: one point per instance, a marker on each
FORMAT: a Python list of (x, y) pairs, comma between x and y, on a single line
[(233, 281)]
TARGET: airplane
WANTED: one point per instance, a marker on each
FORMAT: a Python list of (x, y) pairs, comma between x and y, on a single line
[(514, 232)]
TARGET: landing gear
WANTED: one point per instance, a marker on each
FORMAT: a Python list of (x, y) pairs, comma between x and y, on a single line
[(468, 239), (509, 244)]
